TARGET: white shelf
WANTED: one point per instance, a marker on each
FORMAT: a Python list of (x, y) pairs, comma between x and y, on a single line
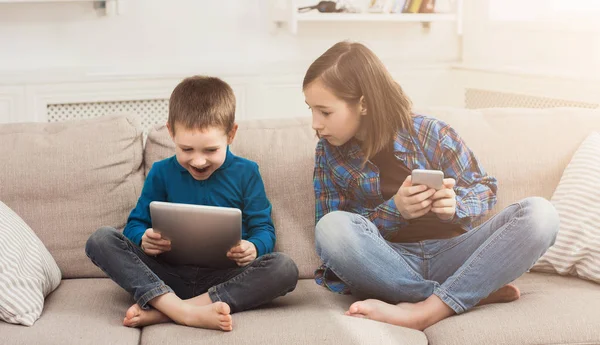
[(375, 17), (284, 13), (108, 7), (33, 1)]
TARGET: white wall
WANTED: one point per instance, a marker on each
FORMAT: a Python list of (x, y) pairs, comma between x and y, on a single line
[(72, 44), (160, 35), (564, 46)]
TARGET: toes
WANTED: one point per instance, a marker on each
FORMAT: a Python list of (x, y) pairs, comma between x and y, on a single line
[(225, 318), (354, 308), (222, 308), (134, 310)]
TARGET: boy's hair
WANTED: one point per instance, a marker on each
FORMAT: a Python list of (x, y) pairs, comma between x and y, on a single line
[(351, 71), (200, 102)]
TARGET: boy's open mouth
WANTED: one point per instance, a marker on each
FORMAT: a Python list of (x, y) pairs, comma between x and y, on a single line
[(200, 171)]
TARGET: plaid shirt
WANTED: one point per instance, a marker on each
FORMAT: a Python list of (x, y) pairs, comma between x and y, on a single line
[(341, 184)]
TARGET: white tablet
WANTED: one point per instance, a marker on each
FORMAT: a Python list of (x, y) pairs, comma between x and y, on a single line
[(200, 235)]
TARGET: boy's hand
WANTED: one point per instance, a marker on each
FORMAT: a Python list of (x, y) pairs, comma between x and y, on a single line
[(444, 200), (243, 253), (413, 201), (153, 243)]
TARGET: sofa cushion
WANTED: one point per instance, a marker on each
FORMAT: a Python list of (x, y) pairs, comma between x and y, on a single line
[(525, 149), (80, 311), (284, 151), (309, 315), (67, 179), (552, 310), (28, 273), (577, 247)]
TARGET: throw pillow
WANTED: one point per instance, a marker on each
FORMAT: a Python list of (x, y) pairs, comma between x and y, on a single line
[(28, 273), (576, 251)]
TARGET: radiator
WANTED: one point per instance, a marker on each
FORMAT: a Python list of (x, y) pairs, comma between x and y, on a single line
[(478, 98)]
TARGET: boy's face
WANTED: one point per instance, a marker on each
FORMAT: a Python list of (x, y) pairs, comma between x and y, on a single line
[(201, 152)]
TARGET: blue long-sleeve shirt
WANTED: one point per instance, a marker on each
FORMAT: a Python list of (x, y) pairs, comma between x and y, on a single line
[(237, 183)]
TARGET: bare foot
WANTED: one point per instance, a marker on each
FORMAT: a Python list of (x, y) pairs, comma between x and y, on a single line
[(138, 317), (505, 294), (403, 314), (212, 316)]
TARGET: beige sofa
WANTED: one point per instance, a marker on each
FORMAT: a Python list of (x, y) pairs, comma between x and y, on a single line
[(67, 179)]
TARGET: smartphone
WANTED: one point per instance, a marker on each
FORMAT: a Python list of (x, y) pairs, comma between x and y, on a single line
[(431, 178)]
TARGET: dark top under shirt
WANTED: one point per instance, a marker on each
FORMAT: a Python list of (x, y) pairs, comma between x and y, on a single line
[(392, 173)]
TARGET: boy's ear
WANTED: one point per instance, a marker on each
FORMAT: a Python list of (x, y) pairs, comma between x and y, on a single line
[(231, 134), (363, 105), (170, 130)]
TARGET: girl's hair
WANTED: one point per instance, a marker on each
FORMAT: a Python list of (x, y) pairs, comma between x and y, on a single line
[(351, 71)]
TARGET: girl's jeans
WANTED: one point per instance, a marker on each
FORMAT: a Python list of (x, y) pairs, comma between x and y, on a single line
[(461, 271)]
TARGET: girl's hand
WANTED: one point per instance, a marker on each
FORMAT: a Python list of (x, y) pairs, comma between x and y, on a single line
[(153, 243), (243, 254), (444, 200), (413, 201)]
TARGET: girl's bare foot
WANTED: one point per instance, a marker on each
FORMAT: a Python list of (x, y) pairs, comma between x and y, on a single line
[(138, 317), (412, 315), (507, 293), (212, 316)]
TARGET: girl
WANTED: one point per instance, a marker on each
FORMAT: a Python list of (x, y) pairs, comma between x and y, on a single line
[(410, 250)]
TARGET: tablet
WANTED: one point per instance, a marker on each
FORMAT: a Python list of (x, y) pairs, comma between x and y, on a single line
[(200, 235)]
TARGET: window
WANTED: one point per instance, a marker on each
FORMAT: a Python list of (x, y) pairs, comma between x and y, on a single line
[(548, 14)]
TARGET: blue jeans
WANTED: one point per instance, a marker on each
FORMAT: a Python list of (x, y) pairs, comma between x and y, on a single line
[(147, 277), (461, 271)]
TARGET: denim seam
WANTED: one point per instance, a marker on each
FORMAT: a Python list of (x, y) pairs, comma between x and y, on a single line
[(214, 290), (147, 271), (478, 257), (153, 293), (469, 233), (383, 245), (449, 300)]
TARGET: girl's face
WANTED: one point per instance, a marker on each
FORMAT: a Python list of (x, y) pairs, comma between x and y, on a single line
[(333, 118)]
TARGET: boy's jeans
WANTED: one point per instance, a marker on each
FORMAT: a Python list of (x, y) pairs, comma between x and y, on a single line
[(461, 271), (146, 277)]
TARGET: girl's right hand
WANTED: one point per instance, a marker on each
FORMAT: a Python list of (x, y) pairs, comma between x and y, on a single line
[(413, 201), (153, 243)]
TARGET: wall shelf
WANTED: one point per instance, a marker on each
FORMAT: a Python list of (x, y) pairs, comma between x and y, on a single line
[(108, 7), (375, 17), (284, 13)]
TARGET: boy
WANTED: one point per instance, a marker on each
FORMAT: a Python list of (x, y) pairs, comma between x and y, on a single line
[(203, 171)]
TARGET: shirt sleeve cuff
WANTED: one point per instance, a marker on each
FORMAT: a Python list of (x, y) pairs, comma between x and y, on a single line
[(259, 245)]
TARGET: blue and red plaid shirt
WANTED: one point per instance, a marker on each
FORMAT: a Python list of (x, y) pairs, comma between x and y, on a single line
[(342, 183)]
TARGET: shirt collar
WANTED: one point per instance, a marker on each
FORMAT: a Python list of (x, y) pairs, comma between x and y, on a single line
[(403, 143)]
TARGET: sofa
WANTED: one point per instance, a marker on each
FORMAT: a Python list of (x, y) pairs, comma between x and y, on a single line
[(67, 179)]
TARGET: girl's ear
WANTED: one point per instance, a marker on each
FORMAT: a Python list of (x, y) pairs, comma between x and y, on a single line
[(363, 105)]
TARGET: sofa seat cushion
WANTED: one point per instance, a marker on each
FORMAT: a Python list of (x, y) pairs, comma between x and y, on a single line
[(309, 315), (552, 310), (80, 311)]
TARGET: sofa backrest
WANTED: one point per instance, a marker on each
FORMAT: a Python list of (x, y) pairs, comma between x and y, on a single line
[(525, 149), (67, 179)]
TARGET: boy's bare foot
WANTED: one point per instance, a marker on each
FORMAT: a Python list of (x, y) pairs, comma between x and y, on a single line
[(138, 317), (212, 316), (507, 293)]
